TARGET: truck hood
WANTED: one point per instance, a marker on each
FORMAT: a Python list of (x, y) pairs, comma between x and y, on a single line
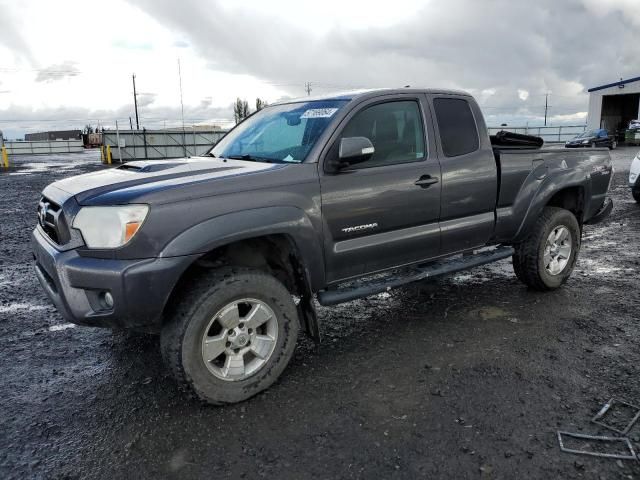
[(134, 180)]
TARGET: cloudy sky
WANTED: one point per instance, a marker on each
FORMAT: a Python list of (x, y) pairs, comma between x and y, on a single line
[(67, 63)]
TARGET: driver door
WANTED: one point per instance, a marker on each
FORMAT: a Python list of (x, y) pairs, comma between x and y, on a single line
[(383, 212)]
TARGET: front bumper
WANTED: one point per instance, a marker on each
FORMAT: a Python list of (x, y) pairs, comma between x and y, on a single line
[(140, 288)]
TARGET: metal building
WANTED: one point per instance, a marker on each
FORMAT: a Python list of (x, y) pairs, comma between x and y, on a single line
[(614, 105), (53, 135)]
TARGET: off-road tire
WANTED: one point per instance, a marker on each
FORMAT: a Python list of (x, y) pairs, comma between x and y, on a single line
[(528, 263), (199, 301)]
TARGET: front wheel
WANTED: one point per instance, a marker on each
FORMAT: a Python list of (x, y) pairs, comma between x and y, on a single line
[(545, 260), (231, 334)]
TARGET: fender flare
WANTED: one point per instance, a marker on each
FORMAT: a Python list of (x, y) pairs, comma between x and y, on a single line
[(246, 224), (547, 189)]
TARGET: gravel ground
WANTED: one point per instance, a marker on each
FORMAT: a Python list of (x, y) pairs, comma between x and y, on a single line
[(470, 377)]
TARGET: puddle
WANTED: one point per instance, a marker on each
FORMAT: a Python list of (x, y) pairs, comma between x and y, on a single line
[(64, 326), (14, 307), (34, 164), (489, 313)]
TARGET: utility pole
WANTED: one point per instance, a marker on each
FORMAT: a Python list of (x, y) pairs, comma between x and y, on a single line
[(135, 100), (546, 107), (307, 87)]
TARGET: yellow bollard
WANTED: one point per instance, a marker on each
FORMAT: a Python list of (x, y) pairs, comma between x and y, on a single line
[(109, 154), (5, 157)]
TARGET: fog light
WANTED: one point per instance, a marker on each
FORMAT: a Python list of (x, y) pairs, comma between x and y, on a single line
[(106, 299)]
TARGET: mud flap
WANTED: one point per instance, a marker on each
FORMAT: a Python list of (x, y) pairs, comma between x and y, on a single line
[(309, 318), (306, 309), (602, 213)]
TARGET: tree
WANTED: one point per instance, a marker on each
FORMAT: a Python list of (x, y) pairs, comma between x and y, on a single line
[(88, 129), (240, 110), (260, 104)]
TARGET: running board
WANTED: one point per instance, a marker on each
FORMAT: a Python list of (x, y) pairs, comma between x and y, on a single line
[(365, 288)]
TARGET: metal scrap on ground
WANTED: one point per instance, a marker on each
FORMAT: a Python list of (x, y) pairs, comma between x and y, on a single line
[(629, 454), (609, 407)]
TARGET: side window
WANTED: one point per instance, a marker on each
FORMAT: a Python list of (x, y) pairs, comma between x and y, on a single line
[(458, 132), (394, 128)]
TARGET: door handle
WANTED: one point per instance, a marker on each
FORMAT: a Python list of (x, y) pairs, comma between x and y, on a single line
[(426, 181)]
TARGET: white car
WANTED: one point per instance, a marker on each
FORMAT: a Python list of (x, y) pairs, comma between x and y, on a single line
[(634, 178)]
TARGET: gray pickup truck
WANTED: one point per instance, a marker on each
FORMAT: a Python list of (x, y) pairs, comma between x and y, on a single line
[(338, 197)]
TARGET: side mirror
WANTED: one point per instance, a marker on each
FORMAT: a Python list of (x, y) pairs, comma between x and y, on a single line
[(354, 150)]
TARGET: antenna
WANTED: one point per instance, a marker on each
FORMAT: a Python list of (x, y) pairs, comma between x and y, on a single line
[(307, 87), (184, 143)]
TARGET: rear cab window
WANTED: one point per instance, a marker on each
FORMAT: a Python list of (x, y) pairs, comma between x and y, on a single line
[(457, 126)]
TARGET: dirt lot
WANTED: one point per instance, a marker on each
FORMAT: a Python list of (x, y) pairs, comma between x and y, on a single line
[(468, 378)]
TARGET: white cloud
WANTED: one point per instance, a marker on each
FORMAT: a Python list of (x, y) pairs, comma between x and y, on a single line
[(270, 49)]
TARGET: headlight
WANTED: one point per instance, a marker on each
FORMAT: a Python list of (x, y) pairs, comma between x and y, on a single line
[(584, 142), (109, 227)]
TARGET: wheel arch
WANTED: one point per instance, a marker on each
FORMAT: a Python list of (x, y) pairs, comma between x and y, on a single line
[(288, 227), (557, 192), (280, 242)]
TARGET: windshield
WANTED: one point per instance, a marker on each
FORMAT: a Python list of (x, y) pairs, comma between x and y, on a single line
[(590, 133), (281, 133)]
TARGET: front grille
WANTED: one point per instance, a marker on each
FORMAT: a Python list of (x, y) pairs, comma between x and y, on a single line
[(51, 219)]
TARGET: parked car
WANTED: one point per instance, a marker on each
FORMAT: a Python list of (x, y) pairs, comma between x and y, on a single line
[(634, 178), (593, 139), (632, 134), (223, 254)]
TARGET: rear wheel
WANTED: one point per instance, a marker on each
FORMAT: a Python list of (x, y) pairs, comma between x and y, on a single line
[(231, 335), (545, 260)]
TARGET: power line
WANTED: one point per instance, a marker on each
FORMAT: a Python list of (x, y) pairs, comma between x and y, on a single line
[(184, 145)]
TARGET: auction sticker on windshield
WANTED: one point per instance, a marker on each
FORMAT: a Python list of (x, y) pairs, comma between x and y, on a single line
[(319, 113)]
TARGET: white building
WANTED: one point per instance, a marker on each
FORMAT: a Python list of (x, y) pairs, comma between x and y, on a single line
[(612, 106)]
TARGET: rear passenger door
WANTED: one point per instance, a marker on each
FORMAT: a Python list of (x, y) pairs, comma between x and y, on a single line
[(383, 212), (469, 173)]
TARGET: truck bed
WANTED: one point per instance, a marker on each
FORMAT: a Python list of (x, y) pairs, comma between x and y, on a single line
[(524, 173)]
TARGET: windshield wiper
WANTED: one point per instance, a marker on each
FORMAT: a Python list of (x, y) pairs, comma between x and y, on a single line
[(251, 158)]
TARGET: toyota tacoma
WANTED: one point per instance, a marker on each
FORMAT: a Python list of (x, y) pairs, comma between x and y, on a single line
[(323, 199)]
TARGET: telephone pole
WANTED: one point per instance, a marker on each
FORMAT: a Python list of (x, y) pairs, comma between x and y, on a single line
[(307, 87), (135, 100), (546, 107)]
